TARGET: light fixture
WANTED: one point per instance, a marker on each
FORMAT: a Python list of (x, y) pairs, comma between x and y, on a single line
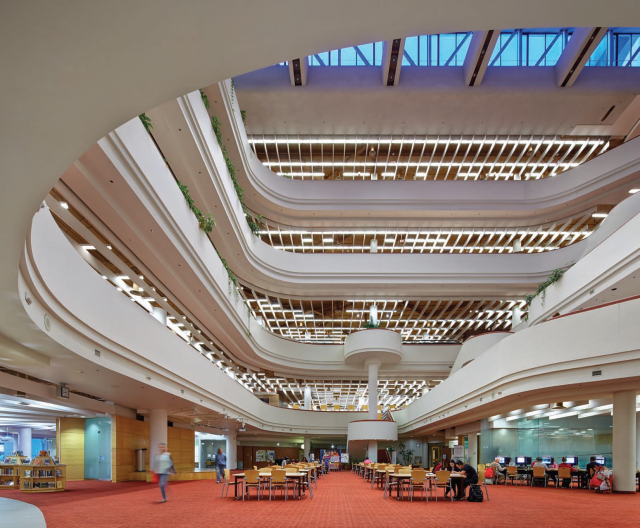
[(64, 205), (109, 247), (557, 406), (599, 215), (104, 277), (372, 152), (141, 277), (634, 191)]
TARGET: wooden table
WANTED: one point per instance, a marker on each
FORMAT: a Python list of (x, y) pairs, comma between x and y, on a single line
[(238, 476)]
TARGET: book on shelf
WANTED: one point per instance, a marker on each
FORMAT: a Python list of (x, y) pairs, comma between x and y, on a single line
[(26, 484), (47, 461), (6, 482), (36, 485), (36, 462), (59, 484), (27, 473), (58, 473)]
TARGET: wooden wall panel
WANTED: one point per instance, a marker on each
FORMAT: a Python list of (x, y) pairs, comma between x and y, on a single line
[(71, 433)]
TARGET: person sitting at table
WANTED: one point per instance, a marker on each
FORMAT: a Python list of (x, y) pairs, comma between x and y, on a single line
[(498, 470), (564, 464), (367, 460), (592, 469), (468, 476), (284, 461), (553, 464), (437, 466), (451, 466), (539, 463)]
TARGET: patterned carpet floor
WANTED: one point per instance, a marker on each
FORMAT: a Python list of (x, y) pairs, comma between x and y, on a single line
[(341, 500)]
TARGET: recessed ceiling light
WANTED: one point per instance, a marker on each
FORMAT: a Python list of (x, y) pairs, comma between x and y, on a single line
[(634, 191), (141, 277), (599, 215), (104, 276), (64, 205)]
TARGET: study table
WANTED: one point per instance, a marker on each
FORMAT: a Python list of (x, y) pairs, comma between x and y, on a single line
[(266, 475)]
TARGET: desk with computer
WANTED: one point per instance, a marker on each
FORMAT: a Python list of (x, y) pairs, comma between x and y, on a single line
[(524, 464)]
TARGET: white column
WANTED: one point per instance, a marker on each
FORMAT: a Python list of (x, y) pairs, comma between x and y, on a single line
[(373, 450), (160, 314), (624, 441), (515, 317), (373, 389), (517, 245), (373, 246), (24, 441), (232, 451), (307, 398), (472, 441), (307, 447), (638, 439), (157, 431)]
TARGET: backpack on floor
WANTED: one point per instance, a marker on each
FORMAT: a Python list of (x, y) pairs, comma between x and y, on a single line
[(475, 493)]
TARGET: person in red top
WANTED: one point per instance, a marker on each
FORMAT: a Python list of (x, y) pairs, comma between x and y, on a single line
[(437, 466), (565, 482)]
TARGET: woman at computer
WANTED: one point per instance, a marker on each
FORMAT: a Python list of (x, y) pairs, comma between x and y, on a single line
[(566, 482)]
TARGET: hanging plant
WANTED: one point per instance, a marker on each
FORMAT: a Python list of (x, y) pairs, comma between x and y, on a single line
[(233, 90), (146, 122), (205, 99), (555, 276), (243, 114), (206, 222)]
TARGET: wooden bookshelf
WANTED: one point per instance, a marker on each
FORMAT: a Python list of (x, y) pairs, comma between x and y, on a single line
[(43, 475), (10, 471)]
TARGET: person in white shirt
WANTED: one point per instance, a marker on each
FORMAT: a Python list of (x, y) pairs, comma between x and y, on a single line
[(284, 462), (498, 470), (539, 463)]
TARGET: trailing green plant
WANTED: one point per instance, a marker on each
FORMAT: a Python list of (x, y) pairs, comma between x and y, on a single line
[(285, 174), (406, 454), (206, 221), (232, 277), (205, 99), (243, 114), (146, 122), (233, 90), (254, 223), (555, 276), (371, 323)]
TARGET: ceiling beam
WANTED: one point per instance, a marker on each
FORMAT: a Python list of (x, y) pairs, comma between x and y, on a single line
[(298, 69), (576, 54), (478, 55), (392, 53)]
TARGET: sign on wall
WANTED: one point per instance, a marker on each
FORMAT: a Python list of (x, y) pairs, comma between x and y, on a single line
[(458, 451), (265, 455)]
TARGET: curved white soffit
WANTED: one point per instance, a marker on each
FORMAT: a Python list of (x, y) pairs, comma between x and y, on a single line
[(88, 313), (324, 274), (476, 345), (612, 257), (604, 180), (223, 314), (536, 365), (180, 53)]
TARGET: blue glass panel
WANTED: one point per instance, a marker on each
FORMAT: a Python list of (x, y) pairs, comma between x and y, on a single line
[(465, 40), (600, 57), (423, 50), (334, 58), (447, 47), (378, 53), (348, 57), (411, 49)]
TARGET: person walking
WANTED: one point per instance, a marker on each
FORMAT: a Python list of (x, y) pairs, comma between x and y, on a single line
[(221, 464), (163, 466)]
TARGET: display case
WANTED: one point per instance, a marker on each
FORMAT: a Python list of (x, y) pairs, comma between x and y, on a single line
[(43, 475)]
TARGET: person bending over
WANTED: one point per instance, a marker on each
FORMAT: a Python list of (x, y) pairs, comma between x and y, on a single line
[(498, 470), (470, 476)]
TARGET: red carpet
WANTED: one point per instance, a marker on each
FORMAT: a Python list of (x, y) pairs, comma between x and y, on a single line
[(341, 500)]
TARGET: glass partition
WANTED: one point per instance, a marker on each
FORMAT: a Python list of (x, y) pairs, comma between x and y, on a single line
[(97, 448)]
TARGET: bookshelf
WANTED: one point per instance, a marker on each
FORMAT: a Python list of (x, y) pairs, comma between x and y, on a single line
[(10, 471), (43, 475)]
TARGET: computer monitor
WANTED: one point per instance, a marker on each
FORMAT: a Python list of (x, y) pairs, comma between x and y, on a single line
[(546, 459), (521, 461), (573, 460), (504, 460), (601, 460)]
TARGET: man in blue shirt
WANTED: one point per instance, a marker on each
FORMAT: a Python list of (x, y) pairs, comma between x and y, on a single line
[(221, 464)]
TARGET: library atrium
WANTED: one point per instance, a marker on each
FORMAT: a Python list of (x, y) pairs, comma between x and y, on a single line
[(255, 272)]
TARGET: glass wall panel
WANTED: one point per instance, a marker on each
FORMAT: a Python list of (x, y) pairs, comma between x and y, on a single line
[(570, 436), (97, 448)]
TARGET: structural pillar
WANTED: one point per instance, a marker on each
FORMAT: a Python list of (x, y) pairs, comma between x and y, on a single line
[(472, 441), (373, 390), (373, 450), (637, 439), (516, 318), (24, 441), (624, 441), (232, 450), (157, 431), (160, 314), (517, 245), (307, 398), (307, 447)]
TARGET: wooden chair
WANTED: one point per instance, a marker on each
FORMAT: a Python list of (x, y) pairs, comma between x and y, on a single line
[(226, 482), (512, 473), (352, 408), (564, 473), (323, 407), (388, 483), (417, 481), (305, 484), (404, 471), (291, 469), (441, 481), (251, 480), (539, 473), (279, 481), (296, 406)]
